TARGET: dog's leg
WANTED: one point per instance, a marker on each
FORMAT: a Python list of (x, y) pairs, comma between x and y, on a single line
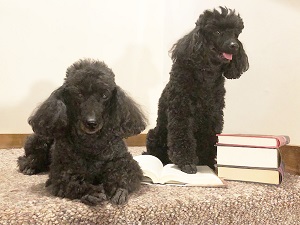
[(95, 196), (121, 176), (124, 177), (66, 184), (37, 155), (206, 134), (156, 144), (206, 149), (181, 126), (70, 175)]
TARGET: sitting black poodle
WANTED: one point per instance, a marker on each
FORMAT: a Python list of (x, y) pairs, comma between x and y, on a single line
[(78, 136), (190, 110)]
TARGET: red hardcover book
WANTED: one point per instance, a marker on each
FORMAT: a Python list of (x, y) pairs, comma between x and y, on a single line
[(253, 140)]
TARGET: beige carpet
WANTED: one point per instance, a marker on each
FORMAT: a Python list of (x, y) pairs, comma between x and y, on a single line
[(24, 200)]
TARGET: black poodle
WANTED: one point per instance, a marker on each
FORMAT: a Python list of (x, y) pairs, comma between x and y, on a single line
[(190, 110), (78, 136)]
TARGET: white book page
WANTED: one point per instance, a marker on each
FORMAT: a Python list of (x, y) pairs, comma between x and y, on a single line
[(151, 166), (204, 176)]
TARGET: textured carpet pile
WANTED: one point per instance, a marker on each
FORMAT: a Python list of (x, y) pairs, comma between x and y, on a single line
[(24, 200)]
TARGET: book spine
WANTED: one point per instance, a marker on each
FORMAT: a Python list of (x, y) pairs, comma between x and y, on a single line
[(282, 140)]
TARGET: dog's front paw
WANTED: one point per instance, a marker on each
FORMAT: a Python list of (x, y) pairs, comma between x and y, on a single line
[(28, 171), (120, 197), (25, 166), (94, 199), (189, 168)]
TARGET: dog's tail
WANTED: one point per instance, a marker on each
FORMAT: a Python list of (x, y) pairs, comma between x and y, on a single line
[(156, 144)]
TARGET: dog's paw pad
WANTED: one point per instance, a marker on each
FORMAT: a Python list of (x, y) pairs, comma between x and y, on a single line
[(93, 199), (190, 168), (120, 197)]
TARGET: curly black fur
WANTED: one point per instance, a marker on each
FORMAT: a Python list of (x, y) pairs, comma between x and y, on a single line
[(190, 110), (78, 136)]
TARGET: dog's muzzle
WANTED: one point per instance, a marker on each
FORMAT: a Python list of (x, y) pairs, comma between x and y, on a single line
[(90, 126), (231, 48)]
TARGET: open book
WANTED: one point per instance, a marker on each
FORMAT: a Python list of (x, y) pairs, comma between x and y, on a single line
[(155, 172)]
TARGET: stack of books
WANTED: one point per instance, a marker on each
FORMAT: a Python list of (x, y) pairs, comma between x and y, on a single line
[(251, 158)]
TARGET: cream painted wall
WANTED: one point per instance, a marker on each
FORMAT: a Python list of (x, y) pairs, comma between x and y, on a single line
[(40, 39)]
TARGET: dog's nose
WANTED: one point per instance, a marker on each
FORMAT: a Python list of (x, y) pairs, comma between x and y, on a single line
[(91, 123), (234, 45)]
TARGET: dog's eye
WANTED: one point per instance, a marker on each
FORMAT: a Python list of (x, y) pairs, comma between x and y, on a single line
[(217, 32), (105, 96)]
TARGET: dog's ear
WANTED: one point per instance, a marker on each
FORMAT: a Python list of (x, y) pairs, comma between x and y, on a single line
[(187, 48), (126, 117), (50, 118), (238, 65)]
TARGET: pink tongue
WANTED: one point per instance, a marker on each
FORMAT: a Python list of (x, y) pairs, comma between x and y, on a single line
[(227, 56)]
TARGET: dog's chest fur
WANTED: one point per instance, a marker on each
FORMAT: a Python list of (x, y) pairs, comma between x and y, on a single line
[(203, 90), (207, 94), (89, 157), (206, 90)]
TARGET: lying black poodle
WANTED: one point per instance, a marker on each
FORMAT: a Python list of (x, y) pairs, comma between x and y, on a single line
[(190, 110), (78, 136)]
